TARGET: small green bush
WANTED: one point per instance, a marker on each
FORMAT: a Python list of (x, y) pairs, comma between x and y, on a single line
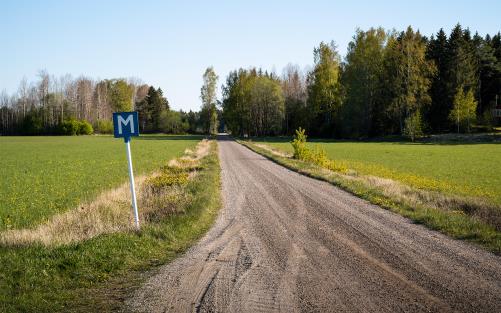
[(299, 145), (316, 156), (413, 126), (85, 128), (69, 127), (72, 127), (104, 127)]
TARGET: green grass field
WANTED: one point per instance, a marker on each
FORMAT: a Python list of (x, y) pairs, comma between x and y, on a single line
[(460, 169), (42, 176)]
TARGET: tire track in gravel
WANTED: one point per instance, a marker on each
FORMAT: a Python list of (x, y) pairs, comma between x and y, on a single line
[(284, 242)]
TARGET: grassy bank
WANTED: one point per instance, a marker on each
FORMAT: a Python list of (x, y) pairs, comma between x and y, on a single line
[(94, 275), (462, 218)]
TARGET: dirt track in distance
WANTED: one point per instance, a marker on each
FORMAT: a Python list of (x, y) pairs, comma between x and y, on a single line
[(284, 242)]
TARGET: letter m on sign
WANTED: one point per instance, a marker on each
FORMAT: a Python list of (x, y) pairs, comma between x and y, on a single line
[(125, 124)]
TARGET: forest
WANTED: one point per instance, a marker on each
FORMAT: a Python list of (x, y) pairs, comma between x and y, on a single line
[(67, 106), (389, 83)]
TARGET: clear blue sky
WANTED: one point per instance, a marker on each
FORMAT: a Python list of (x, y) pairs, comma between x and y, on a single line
[(169, 44)]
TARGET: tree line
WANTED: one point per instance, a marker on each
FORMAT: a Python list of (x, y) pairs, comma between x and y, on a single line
[(389, 83), (68, 106)]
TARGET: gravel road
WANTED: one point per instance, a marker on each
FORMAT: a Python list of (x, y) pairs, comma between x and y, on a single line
[(287, 243)]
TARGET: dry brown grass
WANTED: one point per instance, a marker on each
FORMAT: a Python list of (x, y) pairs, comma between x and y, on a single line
[(111, 211), (276, 152), (472, 206)]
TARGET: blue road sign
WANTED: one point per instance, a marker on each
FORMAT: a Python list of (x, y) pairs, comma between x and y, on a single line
[(125, 124)]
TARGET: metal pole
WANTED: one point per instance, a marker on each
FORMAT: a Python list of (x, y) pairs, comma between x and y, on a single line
[(131, 176)]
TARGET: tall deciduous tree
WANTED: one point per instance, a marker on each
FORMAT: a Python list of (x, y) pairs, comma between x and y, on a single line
[(324, 90), (120, 95), (362, 107), (266, 106), (209, 100), (294, 90), (408, 73), (464, 110)]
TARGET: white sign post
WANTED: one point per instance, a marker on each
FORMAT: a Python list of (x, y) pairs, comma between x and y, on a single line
[(125, 125), (132, 189)]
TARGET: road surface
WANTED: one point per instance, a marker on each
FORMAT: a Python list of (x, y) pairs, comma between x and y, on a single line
[(287, 243)]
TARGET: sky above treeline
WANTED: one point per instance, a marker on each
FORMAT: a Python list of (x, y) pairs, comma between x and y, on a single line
[(169, 44)]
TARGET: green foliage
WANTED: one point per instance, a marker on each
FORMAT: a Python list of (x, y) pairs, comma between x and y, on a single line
[(208, 96), (85, 128), (413, 126), (299, 144), (171, 122), (253, 103), (72, 127), (104, 127), (408, 73), (386, 79), (461, 63), (69, 170), (316, 156), (120, 95), (464, 111), (324, 90), (69, 127), (32, 124), (361, 113), (266, 106), (150, 111), (437, 112)]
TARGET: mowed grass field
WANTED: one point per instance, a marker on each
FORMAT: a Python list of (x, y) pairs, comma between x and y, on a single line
[(458, 169), (43, 176)]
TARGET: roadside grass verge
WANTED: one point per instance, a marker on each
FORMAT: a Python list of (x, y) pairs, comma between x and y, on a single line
[(95, 273), (464, 218)]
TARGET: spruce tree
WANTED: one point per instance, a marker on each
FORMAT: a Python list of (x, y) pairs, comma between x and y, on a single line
[(436, 113), (488, 74), (461, 64)]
